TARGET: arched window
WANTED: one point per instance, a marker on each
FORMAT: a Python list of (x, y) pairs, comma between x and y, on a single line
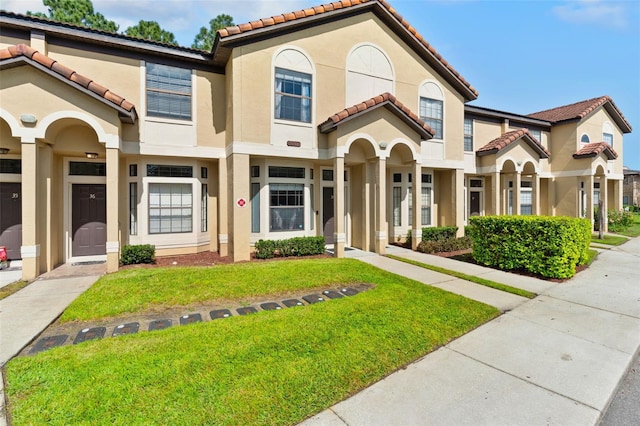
[(432, 107), (369, 73), (607, 133), (584, 138), (292, 87)]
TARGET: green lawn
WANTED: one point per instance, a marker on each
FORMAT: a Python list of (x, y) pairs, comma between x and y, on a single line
[(275, 367), (634, 230), (9, 289), (472, 278), (611, 240)]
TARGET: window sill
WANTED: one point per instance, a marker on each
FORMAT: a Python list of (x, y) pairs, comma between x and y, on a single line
[(292, 123), (169, 121)]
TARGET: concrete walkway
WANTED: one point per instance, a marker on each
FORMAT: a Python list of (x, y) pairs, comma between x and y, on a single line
[(556, 359)]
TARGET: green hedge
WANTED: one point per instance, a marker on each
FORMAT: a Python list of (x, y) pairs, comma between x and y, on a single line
[(143, 253), (299, 246), (547, 246), (452, 244), (439, 233)]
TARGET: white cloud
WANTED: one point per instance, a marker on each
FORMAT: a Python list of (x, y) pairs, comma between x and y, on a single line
[(610, 14)]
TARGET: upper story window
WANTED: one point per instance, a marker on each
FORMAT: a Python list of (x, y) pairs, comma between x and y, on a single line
[(607, 133), (584, 138), (293, 95), (168, 92), (369, 74), (293, 90), (468, 134), (536, 134), (432, 108)]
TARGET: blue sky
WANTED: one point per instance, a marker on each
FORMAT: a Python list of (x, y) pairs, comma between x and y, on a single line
[(521, 56)]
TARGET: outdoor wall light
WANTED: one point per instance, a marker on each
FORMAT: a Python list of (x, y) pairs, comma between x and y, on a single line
[(4, 151), (28, 118), (91, 155), (383, 145)]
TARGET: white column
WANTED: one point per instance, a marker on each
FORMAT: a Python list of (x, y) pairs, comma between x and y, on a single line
[(339, 236)]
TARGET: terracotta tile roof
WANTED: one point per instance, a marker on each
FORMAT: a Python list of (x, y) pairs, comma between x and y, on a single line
[(579, 110), (337, 6), (385, 99), (68, 74), (510, 137), (594, 149)]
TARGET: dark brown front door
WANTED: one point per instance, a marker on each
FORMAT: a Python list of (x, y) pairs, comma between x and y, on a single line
[(11, 218), (327, 214), (474, 203), (89, 219)]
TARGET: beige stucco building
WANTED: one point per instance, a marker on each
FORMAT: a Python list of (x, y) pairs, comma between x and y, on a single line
[(338, 120)]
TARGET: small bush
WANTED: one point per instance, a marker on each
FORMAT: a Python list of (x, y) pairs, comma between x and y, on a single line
[(142, 253), (299, 246), (439, 233), (452, 244), (619, 220)]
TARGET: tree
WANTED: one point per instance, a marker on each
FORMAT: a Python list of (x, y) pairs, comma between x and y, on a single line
[(77, 12), (205, 38), (150, 30)]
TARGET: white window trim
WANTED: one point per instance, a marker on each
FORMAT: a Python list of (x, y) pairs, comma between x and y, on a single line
[(143, 101), (312, 72), (444, 106), (583, 135), (347, 70), (473, 132)]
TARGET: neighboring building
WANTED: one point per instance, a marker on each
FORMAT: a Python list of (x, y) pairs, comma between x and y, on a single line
[(338, 120), (631, 191)]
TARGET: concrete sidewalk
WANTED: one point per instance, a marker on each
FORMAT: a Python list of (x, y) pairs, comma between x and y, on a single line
[(556, 359)]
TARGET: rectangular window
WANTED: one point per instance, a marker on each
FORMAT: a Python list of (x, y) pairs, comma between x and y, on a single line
[(468, 134), (168, 92), (293, 95), (255, 171), (82, 168), (608, 138), (327, 175), (312, 207), (596, 194), (169, 171), (133, 208), (170, 208), (431, 112), (204, 172), (286, 172), (426, 205), (397, 177), (11, 166), (397, 203), (255, 207), (537, 134), (286, 206), (204, 208), (475, 183), (526, 201), (133, 170), (426, 178), (410, 209)]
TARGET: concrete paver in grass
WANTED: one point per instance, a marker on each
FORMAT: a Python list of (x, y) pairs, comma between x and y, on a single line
[(87, 334), (128, 328), (190, 319), (160, 324)]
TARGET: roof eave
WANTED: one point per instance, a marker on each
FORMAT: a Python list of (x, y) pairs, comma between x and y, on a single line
[(329, 125), (125, 116), (488, 112)]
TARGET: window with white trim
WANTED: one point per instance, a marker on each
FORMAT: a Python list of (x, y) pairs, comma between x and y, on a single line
[(286, 206), (293, 95), (607, 133), (432, 114), (596, 194), (537, 134), (426, 202), (169, 92), (170, 208), (526, 197), (468, 134), (431, 107), (369, 74)]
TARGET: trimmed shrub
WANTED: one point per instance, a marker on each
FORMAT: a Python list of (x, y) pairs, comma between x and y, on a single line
[(452, 244), (547, 246), (299, 246), (439, 233), (142, 253)]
